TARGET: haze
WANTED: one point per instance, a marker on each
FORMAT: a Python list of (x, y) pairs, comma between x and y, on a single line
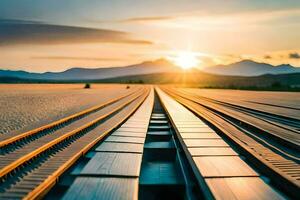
[(54, 35)]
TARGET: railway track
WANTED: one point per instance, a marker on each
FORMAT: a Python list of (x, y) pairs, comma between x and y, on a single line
[(283, 121), (163, 150), (286, 142), (14, 139), (32, 168), (11, 155), (142, 159), (280, 164)]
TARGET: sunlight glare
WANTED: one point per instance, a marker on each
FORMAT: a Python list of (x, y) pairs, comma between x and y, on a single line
[(186, 60)]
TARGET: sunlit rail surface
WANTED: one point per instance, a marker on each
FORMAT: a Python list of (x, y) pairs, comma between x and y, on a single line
[(148, 142)]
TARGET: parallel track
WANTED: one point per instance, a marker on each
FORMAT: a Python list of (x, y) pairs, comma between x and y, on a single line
[(286, 122), (10, 154), (283, 169), (284, 141), (33, 173), (7, 140)]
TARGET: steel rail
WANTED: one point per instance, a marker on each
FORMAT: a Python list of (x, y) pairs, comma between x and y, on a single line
[(47, 184), (282, 172), (285, 122), (15, 164), (60, 122), (287, 146)]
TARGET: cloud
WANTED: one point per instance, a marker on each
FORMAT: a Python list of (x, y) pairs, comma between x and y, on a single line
[(282, 55), (267, 57), (227, 20), (151, 19), (74, 58), (294, 55), (15, 32), (148, 19)]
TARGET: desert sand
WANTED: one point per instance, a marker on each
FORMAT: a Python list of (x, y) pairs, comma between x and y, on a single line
[(27, 106)]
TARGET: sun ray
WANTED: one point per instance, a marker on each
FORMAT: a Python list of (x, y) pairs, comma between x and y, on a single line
[(186, 60)]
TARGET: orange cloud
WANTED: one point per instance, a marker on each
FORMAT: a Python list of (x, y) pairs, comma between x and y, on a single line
[(148, 19), (75, 58)]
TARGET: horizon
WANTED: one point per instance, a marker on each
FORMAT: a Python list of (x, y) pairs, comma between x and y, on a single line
[(42, 37), (146, 61)]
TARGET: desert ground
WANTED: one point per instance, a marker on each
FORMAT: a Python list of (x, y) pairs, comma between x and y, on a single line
[(27, 106), (129, 141)]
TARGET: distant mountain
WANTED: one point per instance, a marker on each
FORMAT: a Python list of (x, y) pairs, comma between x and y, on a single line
[(286, 82), (202, 79), (148, 67), (243, 68), (250, 68), (11, 79)]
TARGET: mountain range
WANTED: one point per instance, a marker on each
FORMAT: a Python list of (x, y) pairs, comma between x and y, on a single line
[(148, 67), (242, 68), (251, 68)]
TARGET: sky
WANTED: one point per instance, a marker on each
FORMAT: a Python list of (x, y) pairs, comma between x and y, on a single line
[(54, 35)]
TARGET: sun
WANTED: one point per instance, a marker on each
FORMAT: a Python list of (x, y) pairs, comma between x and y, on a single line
[(186, 60)]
